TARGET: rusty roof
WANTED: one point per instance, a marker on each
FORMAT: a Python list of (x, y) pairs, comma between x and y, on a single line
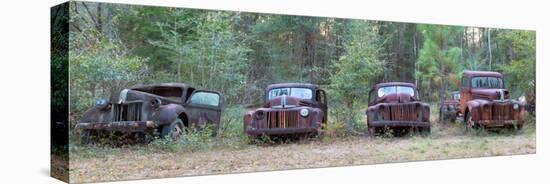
[(149, 86), (292, 85), (379, 85), (471, 74)]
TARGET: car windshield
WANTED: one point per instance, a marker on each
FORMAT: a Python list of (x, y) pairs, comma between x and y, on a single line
[(456, 96), (383, 91), (302, 93), (487, 82)]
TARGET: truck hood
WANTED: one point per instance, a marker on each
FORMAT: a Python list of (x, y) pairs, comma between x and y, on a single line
[(397, 98), (285, 101), (490, 94)]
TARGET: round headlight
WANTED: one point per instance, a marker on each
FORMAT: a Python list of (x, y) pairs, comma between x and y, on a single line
[(259, 115), (155, 103), (304, 112)]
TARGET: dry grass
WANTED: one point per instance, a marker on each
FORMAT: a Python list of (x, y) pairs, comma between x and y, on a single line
[(446, 142)]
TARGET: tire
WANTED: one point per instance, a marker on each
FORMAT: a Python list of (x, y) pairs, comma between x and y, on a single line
[(519, 127), (372, 131), (470, 122), (173, 130), (441, 118), (85, 137), (425, 131), (453, 118)]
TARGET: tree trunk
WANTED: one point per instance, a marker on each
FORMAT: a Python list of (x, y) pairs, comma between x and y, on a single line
[(489, 48)]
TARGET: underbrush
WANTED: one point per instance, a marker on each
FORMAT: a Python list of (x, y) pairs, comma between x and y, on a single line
[(231, 136)]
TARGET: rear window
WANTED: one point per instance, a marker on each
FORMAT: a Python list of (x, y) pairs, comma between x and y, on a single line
[(168, 92)]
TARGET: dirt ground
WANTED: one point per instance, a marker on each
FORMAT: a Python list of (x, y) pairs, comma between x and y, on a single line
[(444, 143)]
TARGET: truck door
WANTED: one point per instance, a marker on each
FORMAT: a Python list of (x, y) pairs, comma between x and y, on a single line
[(464, 94), (322, 100), (205, 107)]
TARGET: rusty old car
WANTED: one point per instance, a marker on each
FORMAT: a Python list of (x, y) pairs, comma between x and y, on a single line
[(485, 102), (447, 110), (167, 109), (289, 109), (397, 106)]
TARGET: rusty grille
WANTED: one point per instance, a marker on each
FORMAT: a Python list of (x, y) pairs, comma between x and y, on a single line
[(401, 112), (501, 112), (127, 111), (283, 119)]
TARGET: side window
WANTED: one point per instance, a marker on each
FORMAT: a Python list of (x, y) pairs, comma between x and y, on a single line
[(372, 96), (464, 82), (206, 98), (321, 98)]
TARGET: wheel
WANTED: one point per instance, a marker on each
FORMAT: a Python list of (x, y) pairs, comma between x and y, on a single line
[(174, 130), (470, 123), (453, 118), (85, 137), (441, 118), (519, 127), (425, 131), (372, 131)]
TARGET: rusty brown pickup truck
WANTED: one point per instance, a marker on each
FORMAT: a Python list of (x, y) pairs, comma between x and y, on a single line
[(447, 111), (397, 106), (166, 108), (485, 102), (289, 109)]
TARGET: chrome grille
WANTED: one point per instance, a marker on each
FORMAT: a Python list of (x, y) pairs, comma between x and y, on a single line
[(283, 119), (501, 112), (400, 112)]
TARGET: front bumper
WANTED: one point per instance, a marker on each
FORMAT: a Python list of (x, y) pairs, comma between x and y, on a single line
[(500, 123), (394, 124), (281, 131), (122, 126)]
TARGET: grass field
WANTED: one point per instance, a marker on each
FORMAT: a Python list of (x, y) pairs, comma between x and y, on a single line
[(232, 154)]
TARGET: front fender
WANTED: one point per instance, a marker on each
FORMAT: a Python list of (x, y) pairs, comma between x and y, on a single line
[(97, 114), (166, 114), (248, 119), (474, 108)]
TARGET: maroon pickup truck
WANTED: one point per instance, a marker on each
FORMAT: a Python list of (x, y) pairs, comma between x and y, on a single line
[(485, 102), (289, 108), (397, 106)]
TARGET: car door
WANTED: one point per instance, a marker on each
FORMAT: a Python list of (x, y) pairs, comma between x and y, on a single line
[(205, 107), (322, 101), (464, 94)]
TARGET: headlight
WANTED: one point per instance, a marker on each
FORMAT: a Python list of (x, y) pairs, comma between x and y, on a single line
[(259, 115), (122, 96), (516, 106), (304, 112)]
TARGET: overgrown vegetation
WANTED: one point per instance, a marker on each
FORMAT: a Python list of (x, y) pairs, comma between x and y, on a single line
[(115, 46)]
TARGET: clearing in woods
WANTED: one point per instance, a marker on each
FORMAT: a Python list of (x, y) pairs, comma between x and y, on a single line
[(95, 163)]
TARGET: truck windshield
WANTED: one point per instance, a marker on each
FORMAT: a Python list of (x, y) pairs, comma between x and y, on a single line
[(302, 93), (383, 91), (487, 82)]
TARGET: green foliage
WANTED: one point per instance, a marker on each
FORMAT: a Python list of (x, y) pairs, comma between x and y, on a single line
[(520, 71), (100, 71), (214, 57), (438, 56), (354, 72), (115, 46), (191, 140)]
